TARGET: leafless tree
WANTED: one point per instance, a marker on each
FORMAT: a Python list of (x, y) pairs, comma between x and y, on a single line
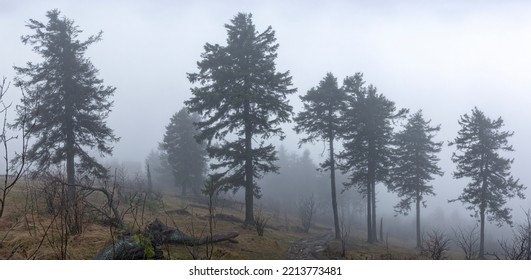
[(13, 170), (345, 233), (468, 241), (519, 248), (307, 208), (435, 246), (211, 188), (110, 209), (260, 222)]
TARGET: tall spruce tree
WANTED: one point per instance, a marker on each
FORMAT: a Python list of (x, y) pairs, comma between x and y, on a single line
[(415, 165), (478, 143), (184, 154), (368, 153), (65, 100), (321, 120), (243, 100)]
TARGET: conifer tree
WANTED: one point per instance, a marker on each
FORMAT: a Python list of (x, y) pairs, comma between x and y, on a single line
[(242, 100), (368, 134), (65, 100), (415, 162), (321, 120), (478, 143), (184, 154)]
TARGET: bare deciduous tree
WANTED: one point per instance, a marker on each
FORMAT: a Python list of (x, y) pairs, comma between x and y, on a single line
[(260, 222), (211, 189), (468, 241), (435, 245), (520, 247), (307, 210), (12, 172)]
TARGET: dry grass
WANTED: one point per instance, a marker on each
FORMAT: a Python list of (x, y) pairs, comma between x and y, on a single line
[(24, 230)]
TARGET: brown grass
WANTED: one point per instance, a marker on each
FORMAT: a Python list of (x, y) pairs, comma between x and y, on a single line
[(22, 241)]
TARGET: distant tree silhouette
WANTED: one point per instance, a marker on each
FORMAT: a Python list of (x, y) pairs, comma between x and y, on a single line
[(478, 144), (368, 153), (184, 154), (242, 100), (66, 100), (415, 165), (297, 177), (321, 120), (161, 171)]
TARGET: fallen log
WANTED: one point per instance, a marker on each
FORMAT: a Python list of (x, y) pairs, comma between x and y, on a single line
[(147, 245), (207, 239)]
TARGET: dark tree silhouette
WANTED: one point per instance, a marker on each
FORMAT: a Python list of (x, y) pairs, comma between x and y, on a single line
[(184, 154), (243, 100), (367, 155), (65, 100), (478, 143), (415, 165), (321, 120)]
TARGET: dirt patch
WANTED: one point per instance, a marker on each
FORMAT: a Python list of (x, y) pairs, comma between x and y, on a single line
[(309, 248), (182, 212), (229, 218)]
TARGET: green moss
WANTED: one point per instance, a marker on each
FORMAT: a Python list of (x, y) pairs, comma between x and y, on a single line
[(146, 243)]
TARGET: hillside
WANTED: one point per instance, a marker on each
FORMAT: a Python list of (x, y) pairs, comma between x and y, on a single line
[(28, 232)]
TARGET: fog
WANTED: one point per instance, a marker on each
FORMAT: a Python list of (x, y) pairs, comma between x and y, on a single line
[(442, 57)]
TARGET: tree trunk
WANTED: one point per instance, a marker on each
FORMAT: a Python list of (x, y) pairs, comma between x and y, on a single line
[(72, 210), (371, 170), (482, 234), (249, 184), (419, 243), (375, 238), (72, 215), (381, 229), (482, 207), (369, 213), (2, 203), (333, 186)]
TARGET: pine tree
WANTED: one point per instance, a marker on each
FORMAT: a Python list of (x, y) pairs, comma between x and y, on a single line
[(184, 154), (479, 142), (243, 100), (66, 101), (415, 165), (321, 120), (368, 134)]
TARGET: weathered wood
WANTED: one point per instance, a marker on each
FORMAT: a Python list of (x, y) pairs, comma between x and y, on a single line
[(155, 235)]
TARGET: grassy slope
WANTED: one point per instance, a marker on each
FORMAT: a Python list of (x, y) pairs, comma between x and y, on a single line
[(23, 230)]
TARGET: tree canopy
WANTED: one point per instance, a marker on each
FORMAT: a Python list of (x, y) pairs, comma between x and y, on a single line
[(321, 120), (415, 165), (368, 153), (242, 100), (479, 143), (66, 103), (184, 154), (65, 99)]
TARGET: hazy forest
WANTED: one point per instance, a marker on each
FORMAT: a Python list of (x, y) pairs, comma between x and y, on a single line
[(255, 160)]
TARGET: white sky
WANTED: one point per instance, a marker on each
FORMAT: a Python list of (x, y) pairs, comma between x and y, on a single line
[(444, 57)]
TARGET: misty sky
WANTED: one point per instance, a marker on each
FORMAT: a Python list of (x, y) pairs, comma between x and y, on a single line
[(444, 57)]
